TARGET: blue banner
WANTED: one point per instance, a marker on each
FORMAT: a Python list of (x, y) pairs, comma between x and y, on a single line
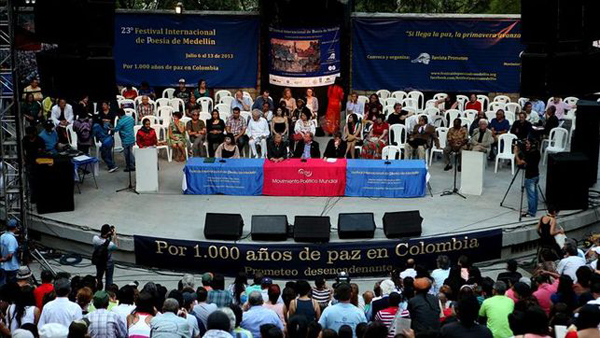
[(375, 178), (304, 57), (443, 55), (307, 261), (162, 48), (232, 177)]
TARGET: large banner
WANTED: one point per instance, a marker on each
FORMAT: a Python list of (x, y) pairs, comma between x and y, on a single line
[(162, 48), (446, 55), (394, 179), (242, 177), (285, 261), (304, 58)]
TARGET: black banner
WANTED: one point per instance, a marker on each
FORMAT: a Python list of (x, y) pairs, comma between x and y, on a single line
[(293, 261)]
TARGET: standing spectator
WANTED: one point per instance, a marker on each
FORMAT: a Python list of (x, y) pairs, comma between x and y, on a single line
[(169, 324), (258, 131), (61, 310), (321, 293), (101, 132), (44, 289), (104, 323), (544, 292), (218, 295), (564, 293), (586, 322), (203, 309), (258, 315), (456, 141), (125, 129), (335, 95), (274, 293), (424, 308), (34, 89), (146, 90), (290, 102), (146, 136), (187, 311), (312, 102), (126, 296), (304, 305), (83, 128), (219, 325), (237, 330), (145, 108), (196, 130), (262, 99), (466, 326), (241, 102), (473, 103), (256, 284), (104, 245), (202, 90), (530, 158), (387, 287), (440, 274), (138, 322), (410, 269), (496, 310), (23, 310), (182, 92), (387, 315), (342, 313), (9, 263)]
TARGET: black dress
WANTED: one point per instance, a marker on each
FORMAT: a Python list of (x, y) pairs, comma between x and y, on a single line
[(547, 241), (214, 139)]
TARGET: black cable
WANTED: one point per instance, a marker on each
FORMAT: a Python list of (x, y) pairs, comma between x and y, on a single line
[(70, 259)]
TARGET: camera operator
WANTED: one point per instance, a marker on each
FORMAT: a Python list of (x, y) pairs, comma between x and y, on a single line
[(527, 156), (104, 245)]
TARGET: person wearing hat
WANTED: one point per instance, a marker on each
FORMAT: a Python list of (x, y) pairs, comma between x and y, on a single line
[(182, 92), (24, 276), (206, 280), (104, 323), (9, 264), (424, 308), (61, 310)]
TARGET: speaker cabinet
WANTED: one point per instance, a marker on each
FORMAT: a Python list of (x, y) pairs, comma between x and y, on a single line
[(586, 136), (269, 228), (356, 225), (53, 186), (402, 224), (566, 181), (312, 229), (223, 226)]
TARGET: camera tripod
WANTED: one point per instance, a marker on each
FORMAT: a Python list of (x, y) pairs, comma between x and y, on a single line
[(537, 185)]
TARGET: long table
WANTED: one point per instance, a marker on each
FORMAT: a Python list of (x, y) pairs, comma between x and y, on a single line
[(313, 177)]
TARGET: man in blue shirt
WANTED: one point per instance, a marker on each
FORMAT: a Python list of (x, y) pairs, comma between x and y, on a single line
[(9, 264), (342, 313), (125, 128), (258, 315), (49, 136), (241, 102), (538, 106), (169, 324), (261, 100), (498, 126)]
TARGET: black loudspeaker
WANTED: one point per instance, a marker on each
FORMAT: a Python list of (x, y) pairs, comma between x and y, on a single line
[(566, 181), (314, 229), (534, 73), (552, 22), (586, 137), (402, 224), (223, 226), (358, 225), (53, 186), (269, 228)]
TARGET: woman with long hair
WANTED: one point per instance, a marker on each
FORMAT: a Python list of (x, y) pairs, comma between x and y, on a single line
[(23, 310), (238, 288), (335, 95), (215, 128), (279, 124), (228, 149), (376, 140), (176, 138), (564, 293), (352, 134), (290, 102), (547, 229), (138, 322), (312, 102)]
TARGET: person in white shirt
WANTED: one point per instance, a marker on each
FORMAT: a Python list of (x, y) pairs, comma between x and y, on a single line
[(410, 269), (258, 131), (61, 310), (62, 113), (569, 265), (440, 274)]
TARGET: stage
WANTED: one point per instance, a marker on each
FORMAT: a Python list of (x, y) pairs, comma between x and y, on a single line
[(171, 214)]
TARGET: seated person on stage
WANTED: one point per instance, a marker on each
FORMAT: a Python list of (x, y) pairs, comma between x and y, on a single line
[(353, 107), (32, 110), (473, 103), (191, 106), (240, 101), (456, 142), (352, 133), (532, 116), (307, 148), (303, 126), (196, 129), (182, 92), (449, 102), (176, 137), (227, 149), (276, 149), (371, 116), (482, 138), (376, 139), (145, 108), (236, 126), (262, 99), (499, 126), (421, 138), (374, 105), (146, 136), (62, 113), (522, 128), (266, 112), (258, 131), (550, 120), (336, 147), (279, 124), (50, 137), (146, 90), (35, 89), (399, 115), (560, 107), (33, 145), (83, 128), (129, 92), (202, 90)]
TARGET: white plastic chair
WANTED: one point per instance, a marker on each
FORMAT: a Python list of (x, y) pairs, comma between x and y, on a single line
[(185, 119), (570, 114), (227, 100), (522, 101), (442, 134), (431, 103), (168, 93), (164, 114), (410, 123), (489, 115), (431, 112), (465, 122), (513, 107), (390, 152), (206, 104), (162, 137), (390, 101), (153, 120), (362, 100), (246, 115), (557, 142), (205, 116), (410, 102), (162, 102), (571, 100), (383, 94), (438, 121), (397, 135), (72, 136), (494, 106), (510, 117), (221, 93), (126, 102), (419, 97), (131, 112), (484, 100), (462, 101), (120, 97), (439, 96), (451, 115), (178, 105), (399, 95), (387, 110), (222, 108), (470, 114), (502, 99), (247, 94), (505, 151)]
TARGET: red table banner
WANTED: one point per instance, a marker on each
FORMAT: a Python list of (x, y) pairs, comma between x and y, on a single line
[(315, 177)]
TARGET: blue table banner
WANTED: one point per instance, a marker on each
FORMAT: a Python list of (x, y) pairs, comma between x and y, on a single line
[(243, 177), (375, 178)]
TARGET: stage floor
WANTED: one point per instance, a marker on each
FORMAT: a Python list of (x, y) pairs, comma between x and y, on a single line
[(171, 214)]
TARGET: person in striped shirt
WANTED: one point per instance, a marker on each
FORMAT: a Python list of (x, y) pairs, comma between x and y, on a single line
[(321, 293), (387, 315)]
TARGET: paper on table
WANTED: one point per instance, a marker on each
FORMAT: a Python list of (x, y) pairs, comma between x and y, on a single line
[(332, 160), (82, 158)]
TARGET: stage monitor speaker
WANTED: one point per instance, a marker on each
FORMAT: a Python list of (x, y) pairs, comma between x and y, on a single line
[(53, 186), (586, 137), (223, 226), (402, 224), (269, 228), (566, 181), (356, 225), (313, 229)]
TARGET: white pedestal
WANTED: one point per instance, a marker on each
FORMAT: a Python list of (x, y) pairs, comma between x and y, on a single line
[(473, 169), (146, 169)]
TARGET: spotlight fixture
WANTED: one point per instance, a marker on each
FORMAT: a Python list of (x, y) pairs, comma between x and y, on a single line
[(30, 2), (179, 8)]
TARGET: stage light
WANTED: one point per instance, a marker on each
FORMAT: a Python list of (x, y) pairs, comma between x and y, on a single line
[(179, 8)]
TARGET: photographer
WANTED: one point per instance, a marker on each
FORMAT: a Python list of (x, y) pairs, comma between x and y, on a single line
[(527, 156), (104, 245)]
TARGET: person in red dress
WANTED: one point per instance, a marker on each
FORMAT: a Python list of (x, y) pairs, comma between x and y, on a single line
[(335, 95)]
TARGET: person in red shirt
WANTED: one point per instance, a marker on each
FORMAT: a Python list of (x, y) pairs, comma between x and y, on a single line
[(146, 136), (473, 103), (130, 93), (43, 289), (387, 315)]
